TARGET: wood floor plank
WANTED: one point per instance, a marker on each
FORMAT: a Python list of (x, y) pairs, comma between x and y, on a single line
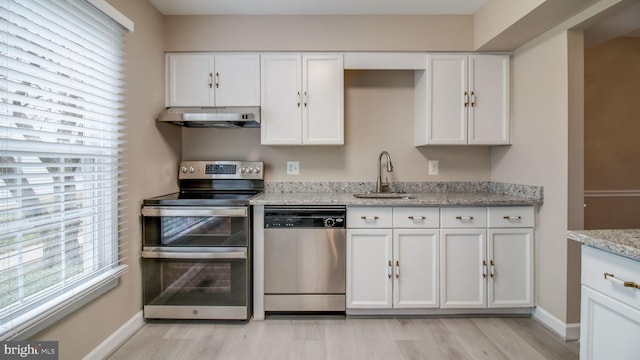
[(474, 342), (337, 338)]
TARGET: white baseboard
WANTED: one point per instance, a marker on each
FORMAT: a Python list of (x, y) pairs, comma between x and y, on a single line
[(569, 332), (116, 339)]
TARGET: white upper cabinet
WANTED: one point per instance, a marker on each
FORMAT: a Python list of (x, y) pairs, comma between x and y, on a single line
[(463, 99), (302, 99), (205, 79)]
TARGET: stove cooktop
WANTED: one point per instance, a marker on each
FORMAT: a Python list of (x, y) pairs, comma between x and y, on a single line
[(201, 199)]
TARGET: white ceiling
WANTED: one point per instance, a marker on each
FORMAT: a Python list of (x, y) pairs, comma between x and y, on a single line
[(317, 7)]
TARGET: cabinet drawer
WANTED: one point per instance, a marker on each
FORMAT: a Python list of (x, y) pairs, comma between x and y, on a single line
[(463, 217), (416, 217), (369, 217), (510, 216), (595, 263)]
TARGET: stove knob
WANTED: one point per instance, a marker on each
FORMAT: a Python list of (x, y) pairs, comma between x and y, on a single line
[(250, 170), (242, 170), (257, 170), (192, 169), (184, 169)]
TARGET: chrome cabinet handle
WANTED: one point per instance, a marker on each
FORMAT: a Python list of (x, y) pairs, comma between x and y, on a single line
[(306, 99), (210, 80), (299, 100), (397, 269), (369, 218), (217, 80), (466, 99), (464, 218), (417, 218), (493, 269), (484, 269), (473, 99), (627, 284), (512, 218), (390, 269)]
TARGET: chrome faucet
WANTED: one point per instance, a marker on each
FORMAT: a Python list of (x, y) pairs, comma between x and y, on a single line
[(379, 184)]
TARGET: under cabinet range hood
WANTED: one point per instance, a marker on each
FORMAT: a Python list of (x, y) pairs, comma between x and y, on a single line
[(206, 117)]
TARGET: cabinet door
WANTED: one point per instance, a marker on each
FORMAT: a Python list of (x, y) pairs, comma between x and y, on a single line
[(369, 268), (323, 100), (462, 272), (237, 80), (510, 258), (416, 283), (489, 99), (281, 99), (446, 109), (608, 328), (189, 80)]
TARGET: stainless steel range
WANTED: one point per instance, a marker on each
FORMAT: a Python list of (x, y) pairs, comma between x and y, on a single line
[(196, 244)]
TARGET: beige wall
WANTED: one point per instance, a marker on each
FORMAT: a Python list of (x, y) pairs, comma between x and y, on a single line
[(323, 33), (539, 156), (503, 25), (497, 16), (152, 155), (611, 127), (379, 111), (575, 195)]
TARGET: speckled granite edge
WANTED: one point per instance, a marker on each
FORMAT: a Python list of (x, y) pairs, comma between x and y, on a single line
[(517, 189), (409, 187), (625, 242)]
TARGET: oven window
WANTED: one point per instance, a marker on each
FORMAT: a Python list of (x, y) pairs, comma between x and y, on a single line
[(195, 282), (195, 231)]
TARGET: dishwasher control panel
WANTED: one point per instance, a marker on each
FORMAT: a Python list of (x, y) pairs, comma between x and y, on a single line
[(304, 218)]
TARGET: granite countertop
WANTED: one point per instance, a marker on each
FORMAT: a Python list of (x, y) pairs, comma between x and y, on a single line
[(419, 193), (416, 199), (625, 242)]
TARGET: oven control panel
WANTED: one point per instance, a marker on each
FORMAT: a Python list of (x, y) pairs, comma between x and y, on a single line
[(221, 170)]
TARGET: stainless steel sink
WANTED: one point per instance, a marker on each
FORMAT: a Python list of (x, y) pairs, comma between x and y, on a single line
[(383, 195)]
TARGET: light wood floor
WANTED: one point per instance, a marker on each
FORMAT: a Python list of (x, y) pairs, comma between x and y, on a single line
[(334, 337)]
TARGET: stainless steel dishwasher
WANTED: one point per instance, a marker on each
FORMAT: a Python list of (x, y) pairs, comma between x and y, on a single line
[(304, 258)]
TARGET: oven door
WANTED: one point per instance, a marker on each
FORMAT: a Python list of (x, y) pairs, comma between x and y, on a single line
[(196, 283), (185, 226)]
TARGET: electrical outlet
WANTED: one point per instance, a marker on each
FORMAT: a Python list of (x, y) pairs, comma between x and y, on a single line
[(293, 167), (433, 167)]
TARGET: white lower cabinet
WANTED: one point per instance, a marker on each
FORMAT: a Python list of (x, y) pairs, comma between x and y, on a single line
[(486, 268), (510, 261), (391, 267), (462, 270), (415, 257), (449, 258), (610, 308), (369, 268)]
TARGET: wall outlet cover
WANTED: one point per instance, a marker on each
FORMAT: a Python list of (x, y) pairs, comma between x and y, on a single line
[(433, 167), (293, 167)]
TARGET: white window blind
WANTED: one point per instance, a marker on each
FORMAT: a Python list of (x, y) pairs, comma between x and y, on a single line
[(61, 64)]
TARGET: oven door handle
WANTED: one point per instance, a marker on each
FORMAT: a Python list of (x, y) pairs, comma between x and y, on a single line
[(194, 253), (195, 211)]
